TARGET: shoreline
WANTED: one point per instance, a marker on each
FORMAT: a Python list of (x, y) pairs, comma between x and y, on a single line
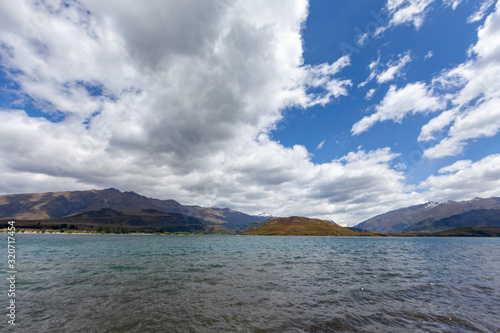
[(92, 233)]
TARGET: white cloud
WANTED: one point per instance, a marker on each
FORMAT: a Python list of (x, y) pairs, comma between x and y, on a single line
[(394, 68), (480, 121), (348, 183), (436, 124), (410, 12), (429, 55), (373, 67), (136, 55), (387, 72), (370, 93), (413, 98), (479, 14), (321, 76), (402, 12), (455, 167), (320, 145), (463, 179), (475, 113), (453, 3)]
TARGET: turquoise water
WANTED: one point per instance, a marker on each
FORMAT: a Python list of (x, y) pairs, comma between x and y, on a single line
[(140, 283)]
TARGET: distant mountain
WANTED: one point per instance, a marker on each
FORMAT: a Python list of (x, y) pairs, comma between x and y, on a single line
[(115, 220), (300, 226), (475, 218), (59, 204), (402, 219)]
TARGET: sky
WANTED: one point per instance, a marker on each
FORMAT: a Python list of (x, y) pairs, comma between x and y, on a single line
[(339, 110)]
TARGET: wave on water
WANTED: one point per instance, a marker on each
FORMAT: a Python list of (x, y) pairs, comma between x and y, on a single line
[(101, 283)]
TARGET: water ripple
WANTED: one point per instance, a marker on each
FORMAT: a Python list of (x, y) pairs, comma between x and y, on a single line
[(121, 283)]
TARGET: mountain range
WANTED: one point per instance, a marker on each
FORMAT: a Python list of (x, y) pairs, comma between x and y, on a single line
[(434, 217), (103, 208), (120, 221), (53, 205)]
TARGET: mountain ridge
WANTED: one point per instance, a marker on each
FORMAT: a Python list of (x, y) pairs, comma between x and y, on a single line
[(474, 218), (147, 220), (50, 205), (402, 219), (425, 217)]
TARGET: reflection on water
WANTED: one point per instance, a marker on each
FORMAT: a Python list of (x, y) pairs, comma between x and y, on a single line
[(130, 283)]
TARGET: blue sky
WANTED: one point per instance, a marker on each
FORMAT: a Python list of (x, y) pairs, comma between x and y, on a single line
[(332, 109)]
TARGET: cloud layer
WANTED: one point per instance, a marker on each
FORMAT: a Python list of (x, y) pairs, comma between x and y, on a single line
[(177, 100), (149, 101)]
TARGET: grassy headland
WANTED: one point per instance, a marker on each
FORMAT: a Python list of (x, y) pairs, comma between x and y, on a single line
[(302, 226)]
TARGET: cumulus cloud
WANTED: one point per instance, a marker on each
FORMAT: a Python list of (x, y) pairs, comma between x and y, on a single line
[(349, 182), (459, 180), (397, 103)]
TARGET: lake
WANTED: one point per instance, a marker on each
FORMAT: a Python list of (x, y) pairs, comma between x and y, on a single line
[(159, 283)]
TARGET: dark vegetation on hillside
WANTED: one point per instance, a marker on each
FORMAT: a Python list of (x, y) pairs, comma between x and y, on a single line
[(110, 220), (476, 218), (469, 232)]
